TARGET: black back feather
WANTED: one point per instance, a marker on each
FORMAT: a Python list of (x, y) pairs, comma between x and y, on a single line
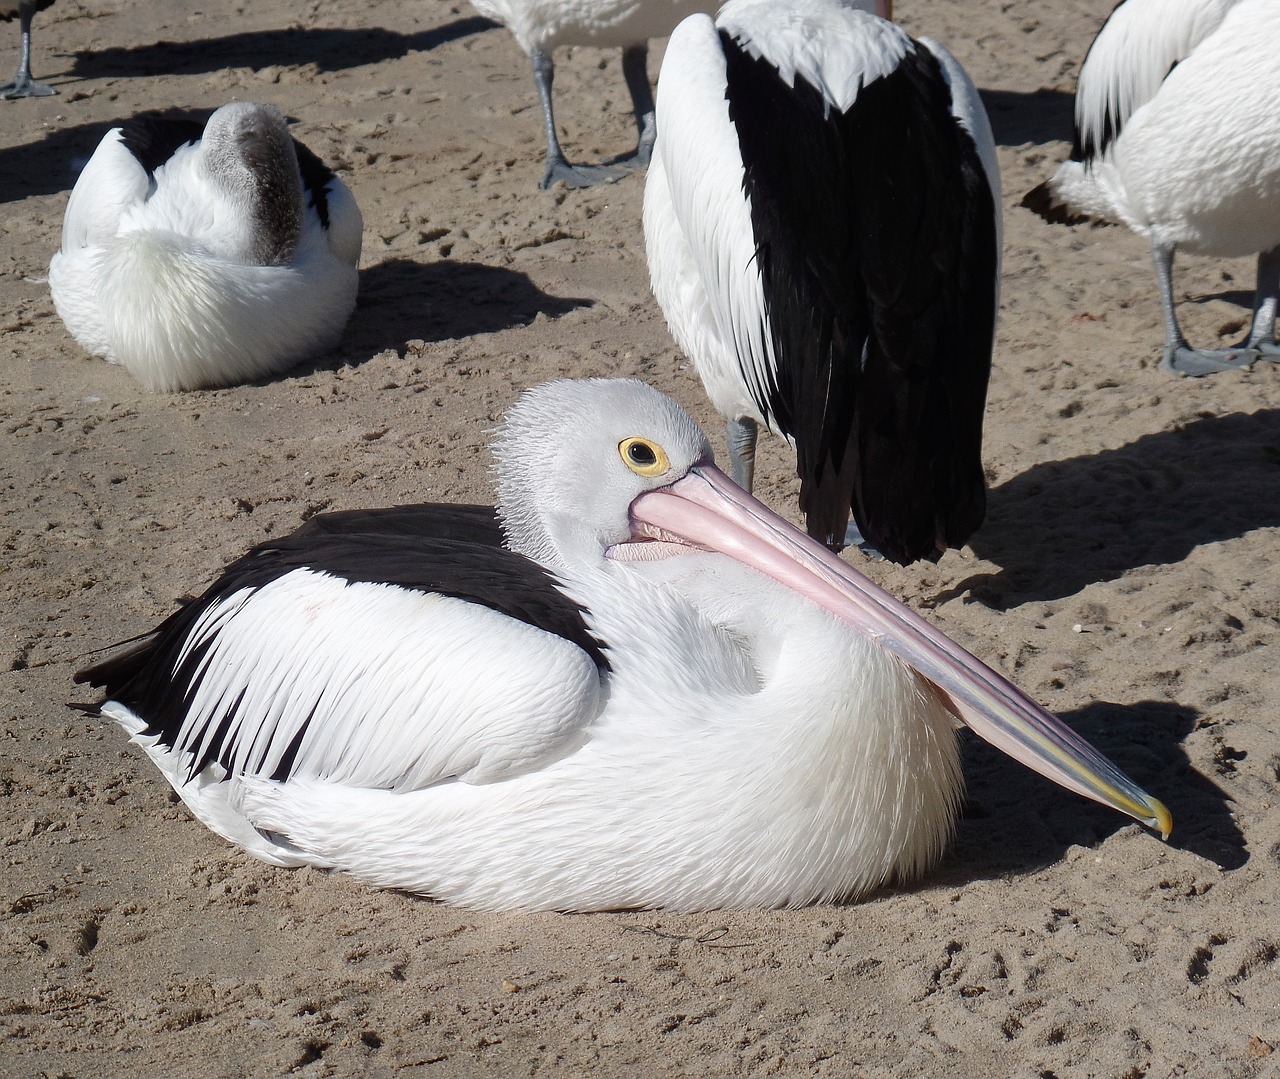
[(875, 237)]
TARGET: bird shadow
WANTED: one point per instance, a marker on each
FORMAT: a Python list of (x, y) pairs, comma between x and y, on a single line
[(1040, 116), (1015, 821), (1063, 525), (401, 301), (51, 163), (1235, 297), (330, 49)]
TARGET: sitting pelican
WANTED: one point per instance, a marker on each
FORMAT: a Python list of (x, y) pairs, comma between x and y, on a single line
[(540, 26), (1178, 137), (23, 85), (822, 221), (637, 687), (206, 255)]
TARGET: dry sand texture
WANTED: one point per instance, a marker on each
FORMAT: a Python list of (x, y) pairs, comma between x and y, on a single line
[(1127, 576)]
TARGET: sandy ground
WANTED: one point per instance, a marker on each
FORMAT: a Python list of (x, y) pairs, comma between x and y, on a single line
[(1127, 576)]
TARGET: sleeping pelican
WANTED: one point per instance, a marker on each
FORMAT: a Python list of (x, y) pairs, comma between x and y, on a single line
[(1178, 137), (637, 687), (205, 255), (23, 85), (540, 26), (822, 221)]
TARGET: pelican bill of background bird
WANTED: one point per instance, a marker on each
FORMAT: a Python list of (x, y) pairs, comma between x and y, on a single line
[(201, 255), (822, 221), (23, 85), (541, 26), (655, 693), (1178, 137)]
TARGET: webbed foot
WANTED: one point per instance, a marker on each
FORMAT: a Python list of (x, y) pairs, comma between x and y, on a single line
[(1194, 362), (25, 88), (561, 172)]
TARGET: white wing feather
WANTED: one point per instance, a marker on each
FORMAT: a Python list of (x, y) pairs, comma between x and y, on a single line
[(392, 688), (111, 182), (1133, 54), (698, 231)]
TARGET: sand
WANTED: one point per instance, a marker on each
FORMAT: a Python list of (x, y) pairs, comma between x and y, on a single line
[(1127, 576)]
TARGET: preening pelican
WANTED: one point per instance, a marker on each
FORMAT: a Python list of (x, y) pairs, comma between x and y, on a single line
[(654, 692), (1178, 137), (23, 85), (207, 254), (540, 26)]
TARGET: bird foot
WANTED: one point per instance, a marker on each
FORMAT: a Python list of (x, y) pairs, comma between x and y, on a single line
[(25, 88), (853, 537), (1194, 362), (561, 172)]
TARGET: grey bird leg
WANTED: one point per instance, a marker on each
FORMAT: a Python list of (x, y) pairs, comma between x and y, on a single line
[(1179, 356), (635, 69), (741, 435), (23, 84), (853, 537), (558, 169), (1266, 303)]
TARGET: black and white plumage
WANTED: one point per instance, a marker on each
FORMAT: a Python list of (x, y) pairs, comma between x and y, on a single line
[(541, 26), (23, 85), (822, 218), (201, 255), (590, 709), (1178, 136)]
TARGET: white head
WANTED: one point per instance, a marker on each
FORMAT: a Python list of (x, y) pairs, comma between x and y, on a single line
[(573, 456)]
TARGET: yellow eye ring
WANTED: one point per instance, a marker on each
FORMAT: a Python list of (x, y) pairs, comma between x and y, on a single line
[(643, 457)]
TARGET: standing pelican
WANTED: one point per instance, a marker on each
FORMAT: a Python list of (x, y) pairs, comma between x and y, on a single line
[(1178, 137), (207, 254), (23, 85), (540, 26), (655, 693), (822, 220)]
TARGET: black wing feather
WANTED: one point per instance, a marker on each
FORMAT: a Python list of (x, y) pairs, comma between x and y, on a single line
[(875, 234), (153, 139), (450, 550)]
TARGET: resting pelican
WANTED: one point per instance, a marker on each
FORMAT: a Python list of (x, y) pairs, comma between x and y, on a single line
[(822, 220), (1178, 137), (654, 693), (23, 85), (540, 26), (205, 255)]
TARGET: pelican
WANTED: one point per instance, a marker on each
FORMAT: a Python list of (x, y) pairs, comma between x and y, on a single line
[(1178, 137), (205, 255), (822, 222), (23, 85), (636, 687), (541, 26)]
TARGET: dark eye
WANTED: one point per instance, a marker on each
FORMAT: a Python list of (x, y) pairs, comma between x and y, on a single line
[(643, 457), (641, 453)]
